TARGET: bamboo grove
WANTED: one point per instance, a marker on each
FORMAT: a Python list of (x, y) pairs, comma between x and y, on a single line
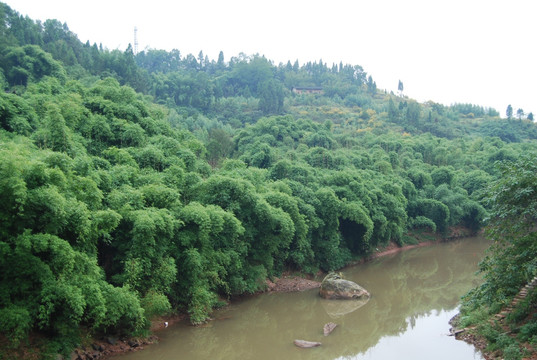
[(137, 185)]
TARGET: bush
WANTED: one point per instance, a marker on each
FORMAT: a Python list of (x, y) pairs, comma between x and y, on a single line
[(512, 352), (527, 331), (408, 240), (432, 209), (154, 304), (201, 305), (15, 322), (520, 312), (422, 222), (123, 311), (474, 316)]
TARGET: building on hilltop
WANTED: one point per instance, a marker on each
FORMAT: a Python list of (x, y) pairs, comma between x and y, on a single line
[(308, 90)]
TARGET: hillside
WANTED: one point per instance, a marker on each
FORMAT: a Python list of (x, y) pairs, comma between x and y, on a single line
[(137, 185)]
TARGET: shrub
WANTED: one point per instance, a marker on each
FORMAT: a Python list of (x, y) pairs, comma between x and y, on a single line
[(512, 352), (422, 222), (200, 305), (155, 303), (15, 322), (527, 331), (123, 311)]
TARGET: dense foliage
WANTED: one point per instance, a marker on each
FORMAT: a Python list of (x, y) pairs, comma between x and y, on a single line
[(133, 185), (511, 261)]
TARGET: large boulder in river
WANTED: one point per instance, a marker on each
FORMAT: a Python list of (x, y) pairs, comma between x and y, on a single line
[(335, 287)]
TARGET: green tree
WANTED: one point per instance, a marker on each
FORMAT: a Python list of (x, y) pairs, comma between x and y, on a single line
[(58, 135), (443, 175), (326, 240), (271, 97), (511, 260), (220, 64), (520, 114), (413, 113), (509, 111), (268, 230), (393, 112), (30, 63), (300, 253), (431, 209), (16, 115), (371, 85), (220, 145)]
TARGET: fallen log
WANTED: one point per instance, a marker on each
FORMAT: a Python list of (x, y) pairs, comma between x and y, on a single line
[(306, 344), (328, 328)]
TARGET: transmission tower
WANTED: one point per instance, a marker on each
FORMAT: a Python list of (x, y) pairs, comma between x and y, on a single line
[(135, 40)]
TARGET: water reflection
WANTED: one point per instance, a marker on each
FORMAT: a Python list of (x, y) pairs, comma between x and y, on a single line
[(410, 290), (338, 308)]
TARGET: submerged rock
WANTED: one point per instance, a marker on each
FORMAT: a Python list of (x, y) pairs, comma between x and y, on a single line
[(328, 328), (306, 344), (335, 287)]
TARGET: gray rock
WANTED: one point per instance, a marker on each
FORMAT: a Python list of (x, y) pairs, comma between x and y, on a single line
[(335, 287), (306, 344), (328, 328), (133, 343)]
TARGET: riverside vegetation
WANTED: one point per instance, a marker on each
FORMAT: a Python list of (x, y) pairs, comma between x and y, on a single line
[(136, 185)]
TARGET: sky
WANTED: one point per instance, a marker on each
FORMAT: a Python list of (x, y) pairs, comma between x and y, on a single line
[(456, 51)]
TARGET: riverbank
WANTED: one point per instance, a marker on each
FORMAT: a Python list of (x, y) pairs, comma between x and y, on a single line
[(289, 282), (108, 347), (469, 336), (472, 335)]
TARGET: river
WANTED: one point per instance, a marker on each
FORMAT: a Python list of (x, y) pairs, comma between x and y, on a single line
[(414, 294)]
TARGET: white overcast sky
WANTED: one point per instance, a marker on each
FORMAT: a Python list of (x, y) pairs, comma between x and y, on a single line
[(456, 51)]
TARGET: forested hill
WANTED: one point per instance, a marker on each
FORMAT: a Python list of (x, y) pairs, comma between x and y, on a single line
[(135, 185)]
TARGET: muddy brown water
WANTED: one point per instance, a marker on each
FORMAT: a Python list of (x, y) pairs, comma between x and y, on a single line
[(414, 294)]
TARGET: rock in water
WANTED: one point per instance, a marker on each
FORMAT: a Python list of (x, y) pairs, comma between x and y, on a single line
[(306, 344), (328, 328), (335, 287)]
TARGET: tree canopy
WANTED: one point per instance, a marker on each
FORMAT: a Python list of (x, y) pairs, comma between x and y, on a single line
[(136, 185)]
